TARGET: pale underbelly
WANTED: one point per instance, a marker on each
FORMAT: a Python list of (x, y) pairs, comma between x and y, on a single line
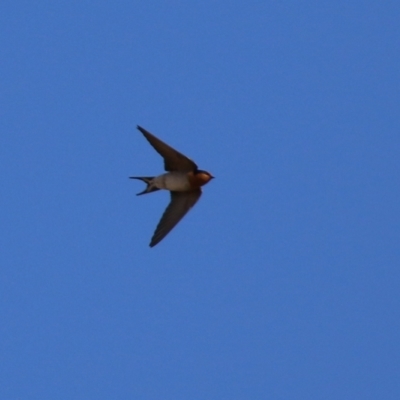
[(173, 181)]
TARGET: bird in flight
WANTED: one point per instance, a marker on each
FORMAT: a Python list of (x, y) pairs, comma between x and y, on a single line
[(183, 180)]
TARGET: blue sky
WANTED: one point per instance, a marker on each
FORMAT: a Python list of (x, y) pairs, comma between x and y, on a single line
[(282, 282)]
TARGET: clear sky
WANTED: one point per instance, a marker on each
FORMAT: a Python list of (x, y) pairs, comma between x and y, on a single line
[(283, 282)]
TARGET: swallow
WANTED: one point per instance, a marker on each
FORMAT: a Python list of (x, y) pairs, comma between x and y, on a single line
[(183, 179)]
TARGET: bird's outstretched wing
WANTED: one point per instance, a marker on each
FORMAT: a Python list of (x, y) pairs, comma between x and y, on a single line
[(180, 204), (173, 160)]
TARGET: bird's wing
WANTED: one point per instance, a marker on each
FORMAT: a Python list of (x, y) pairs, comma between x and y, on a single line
[(180, 204), (173, 160)]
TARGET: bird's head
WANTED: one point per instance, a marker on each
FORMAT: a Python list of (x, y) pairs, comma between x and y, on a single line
[(203, 177)]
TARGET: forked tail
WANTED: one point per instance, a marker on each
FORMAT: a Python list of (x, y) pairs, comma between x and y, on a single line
[(149, 181)]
